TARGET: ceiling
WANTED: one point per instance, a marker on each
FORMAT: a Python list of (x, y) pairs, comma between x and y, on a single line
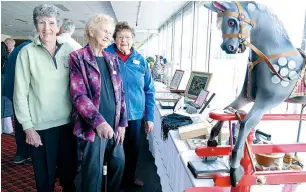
[(16, 16)]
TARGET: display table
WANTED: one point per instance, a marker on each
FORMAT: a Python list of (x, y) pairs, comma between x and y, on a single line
[(171, 168)]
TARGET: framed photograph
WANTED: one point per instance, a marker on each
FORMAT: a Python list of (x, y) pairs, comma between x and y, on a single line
[(176, 79), (197, 82), (201, 97)]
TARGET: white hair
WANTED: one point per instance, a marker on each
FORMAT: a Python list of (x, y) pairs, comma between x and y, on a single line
[(68, 26)]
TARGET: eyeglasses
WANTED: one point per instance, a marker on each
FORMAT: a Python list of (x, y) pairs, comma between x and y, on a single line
[(122, 37)]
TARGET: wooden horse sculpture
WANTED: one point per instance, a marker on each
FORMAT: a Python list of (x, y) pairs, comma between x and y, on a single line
[(275, 73)]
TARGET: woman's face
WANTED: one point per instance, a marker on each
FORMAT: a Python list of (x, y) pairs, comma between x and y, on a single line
[(102, 34), (47, 28), (124, 40)]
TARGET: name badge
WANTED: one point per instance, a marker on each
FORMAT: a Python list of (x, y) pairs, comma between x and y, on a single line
[(136, 62), (114, 72)]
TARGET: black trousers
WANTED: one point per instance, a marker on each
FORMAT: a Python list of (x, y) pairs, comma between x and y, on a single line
[(58, 153), (94, 154), (22, 148), (131, 150)]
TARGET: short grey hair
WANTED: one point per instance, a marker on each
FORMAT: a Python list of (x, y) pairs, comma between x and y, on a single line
[(46, 11), (68, 25)]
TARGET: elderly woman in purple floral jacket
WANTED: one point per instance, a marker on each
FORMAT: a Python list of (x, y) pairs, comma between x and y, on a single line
[(99, 107)]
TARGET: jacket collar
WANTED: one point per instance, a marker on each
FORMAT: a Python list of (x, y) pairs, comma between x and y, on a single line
[(112, 49), (37, 41), (90, 58)]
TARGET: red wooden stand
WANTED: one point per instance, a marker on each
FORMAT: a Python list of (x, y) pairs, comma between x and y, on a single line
[(251, 176)]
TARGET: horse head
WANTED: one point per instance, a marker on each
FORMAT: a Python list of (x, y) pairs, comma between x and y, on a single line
[(235, 22)]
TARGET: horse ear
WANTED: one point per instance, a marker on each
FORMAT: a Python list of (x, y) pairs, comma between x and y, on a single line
[(218, 6)]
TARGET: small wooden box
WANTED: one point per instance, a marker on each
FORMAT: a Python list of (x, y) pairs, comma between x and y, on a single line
[(194, 130)]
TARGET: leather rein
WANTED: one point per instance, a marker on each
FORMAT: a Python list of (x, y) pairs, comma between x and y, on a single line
[(243, 34)]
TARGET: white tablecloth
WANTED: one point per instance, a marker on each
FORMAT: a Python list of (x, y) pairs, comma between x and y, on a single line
[(171, 167)]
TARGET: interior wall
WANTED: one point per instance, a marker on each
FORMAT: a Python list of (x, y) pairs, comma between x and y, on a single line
[(4, 36)]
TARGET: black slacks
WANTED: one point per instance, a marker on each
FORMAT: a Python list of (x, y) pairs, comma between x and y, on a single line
[(57, 154), (94, 155), (131, 150), (22, 148)]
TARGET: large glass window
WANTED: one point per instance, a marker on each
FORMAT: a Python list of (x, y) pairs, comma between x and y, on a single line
[(160, 40), (169, 41), (177, 41), (186, 55), (164, 52), (201, 37)]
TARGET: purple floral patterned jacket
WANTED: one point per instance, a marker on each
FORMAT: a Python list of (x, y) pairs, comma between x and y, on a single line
[(85, 86)]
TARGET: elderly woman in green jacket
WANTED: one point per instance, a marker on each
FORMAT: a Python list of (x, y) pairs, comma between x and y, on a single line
[(42, 102)]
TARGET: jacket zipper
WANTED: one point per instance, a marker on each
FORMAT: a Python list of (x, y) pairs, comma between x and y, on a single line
[(126, 92), (53, 58)]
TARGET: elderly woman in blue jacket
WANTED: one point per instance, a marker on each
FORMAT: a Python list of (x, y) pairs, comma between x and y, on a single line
[(139, 91)]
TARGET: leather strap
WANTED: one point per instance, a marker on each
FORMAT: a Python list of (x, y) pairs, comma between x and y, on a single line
[(265, 58), (284, 54), (236, 15), (240, 9), (238, 35)]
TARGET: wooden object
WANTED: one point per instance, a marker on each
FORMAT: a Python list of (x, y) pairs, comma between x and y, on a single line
[(267, 159), (194, 130)]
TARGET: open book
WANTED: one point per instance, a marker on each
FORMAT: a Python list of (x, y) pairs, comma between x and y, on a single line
[(207, 170)]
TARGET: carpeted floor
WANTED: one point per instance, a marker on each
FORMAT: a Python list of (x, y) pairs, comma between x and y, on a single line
[(15, 178), (20, 178)]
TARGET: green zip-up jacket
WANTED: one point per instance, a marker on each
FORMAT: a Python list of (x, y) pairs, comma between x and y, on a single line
[(41, 93)]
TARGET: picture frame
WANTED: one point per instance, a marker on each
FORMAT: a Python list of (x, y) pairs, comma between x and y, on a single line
[(176, 79), (196, 83), (201, 97)]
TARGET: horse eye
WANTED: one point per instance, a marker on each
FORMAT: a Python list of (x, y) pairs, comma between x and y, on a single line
[(231, 22)]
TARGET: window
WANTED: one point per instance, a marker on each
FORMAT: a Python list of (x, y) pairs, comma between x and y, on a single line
[(201, 38), (177, 41), (164, 42), (228, 70), (160, 40), (153, 46), (169, 42), (186, 55)]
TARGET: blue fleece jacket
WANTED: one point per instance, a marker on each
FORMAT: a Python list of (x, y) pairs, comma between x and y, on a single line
[(8, 84), (138, 85)]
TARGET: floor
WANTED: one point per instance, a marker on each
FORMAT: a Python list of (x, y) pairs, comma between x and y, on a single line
[(20, 178)]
